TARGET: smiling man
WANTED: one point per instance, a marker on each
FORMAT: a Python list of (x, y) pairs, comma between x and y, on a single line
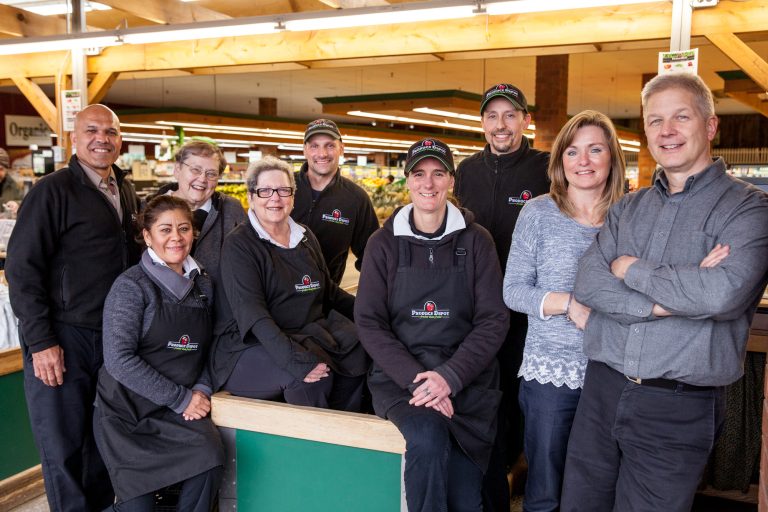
[(495, 184), (338, 212), (673, 280), (73, 237)]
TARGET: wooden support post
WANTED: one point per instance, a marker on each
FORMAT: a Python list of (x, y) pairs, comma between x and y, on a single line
[(38, 99), (100, 85), (744, 56)]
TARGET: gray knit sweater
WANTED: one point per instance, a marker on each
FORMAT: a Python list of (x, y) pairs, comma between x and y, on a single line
[(128, 313), (546, 247)]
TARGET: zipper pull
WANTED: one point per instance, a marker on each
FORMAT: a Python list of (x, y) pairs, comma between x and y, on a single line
[(431, 257)]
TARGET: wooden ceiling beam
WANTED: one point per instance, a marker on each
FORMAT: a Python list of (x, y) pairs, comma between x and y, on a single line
[(166, 12), (744, 56), (536, 30), (100, 85), (247, 68), (42, 104), (752, 101), (20, 23)]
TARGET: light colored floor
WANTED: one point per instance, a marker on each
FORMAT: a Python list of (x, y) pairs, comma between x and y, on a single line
[(39, 504)]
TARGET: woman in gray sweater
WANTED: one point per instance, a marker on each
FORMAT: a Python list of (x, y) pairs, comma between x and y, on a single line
[(553, 231), (151, 421)]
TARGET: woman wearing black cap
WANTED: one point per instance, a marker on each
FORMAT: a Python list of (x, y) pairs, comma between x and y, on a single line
[(429, 311)]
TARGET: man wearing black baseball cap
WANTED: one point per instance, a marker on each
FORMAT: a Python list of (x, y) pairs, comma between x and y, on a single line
[(338, 211), (495, 184)]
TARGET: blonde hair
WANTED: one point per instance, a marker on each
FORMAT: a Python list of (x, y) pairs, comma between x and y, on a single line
[(614, 187)]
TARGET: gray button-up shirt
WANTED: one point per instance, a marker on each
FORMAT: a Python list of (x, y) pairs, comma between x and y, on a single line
[(704, 342)]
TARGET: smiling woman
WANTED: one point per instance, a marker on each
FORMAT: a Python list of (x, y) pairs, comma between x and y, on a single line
[(287, 334), (198, 166), (430, 314), (587, 174), (153, 396)]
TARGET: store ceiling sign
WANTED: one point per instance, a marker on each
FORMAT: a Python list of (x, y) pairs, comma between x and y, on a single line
[(679, 62), (26, 130)]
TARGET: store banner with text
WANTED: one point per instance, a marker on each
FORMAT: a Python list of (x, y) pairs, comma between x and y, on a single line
[(26, 131)]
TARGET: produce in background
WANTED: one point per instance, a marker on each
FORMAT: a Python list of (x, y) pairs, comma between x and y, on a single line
[(385, 196), (236, 190)]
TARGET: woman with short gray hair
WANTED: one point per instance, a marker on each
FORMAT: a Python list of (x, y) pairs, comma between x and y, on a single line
[(287, 334)]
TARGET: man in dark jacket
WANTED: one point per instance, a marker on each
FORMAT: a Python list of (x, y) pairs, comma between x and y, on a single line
[(495, 184), (338, 212), (73, 237)]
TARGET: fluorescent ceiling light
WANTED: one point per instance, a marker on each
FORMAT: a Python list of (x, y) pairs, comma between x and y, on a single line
[(447, 113), (164, 35), (38, 45), (413, 120), (526, 6), (55, 7), (629, 142), (388, 17), (631, 150)]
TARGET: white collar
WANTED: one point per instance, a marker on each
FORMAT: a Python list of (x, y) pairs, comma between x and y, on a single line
[(297, 232), (188, 265), (205, 206), (402, 226)]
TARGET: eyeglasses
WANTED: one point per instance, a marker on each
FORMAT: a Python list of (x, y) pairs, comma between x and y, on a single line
[(210, 174), (267, 192)]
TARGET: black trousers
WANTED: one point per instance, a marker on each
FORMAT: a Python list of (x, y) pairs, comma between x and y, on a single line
[(75, 476), (257, 376), (197, 495), (509, 435), (438, 474), (638, 448)]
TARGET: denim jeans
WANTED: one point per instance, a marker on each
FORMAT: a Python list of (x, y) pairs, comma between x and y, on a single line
[(439, 477), (638, 448), (548, 412)]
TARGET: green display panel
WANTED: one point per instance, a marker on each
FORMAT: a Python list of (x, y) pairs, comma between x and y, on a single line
[(16, 444), (293, 475)]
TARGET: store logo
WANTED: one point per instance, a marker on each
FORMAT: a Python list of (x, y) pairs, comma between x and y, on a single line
[(336, 217), (430, 311), (428, 145), (307, 285), (523, 198), (184, 344)]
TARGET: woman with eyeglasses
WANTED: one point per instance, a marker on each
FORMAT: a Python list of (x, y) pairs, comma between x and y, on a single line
[(197, 169), (289, 334)]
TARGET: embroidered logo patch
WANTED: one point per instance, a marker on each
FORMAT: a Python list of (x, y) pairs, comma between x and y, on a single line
[(430, 311), (185, 344), (336, 217), (523, 198), (307, 285)]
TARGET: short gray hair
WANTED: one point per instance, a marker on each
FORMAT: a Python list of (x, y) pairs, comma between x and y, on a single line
[(268, 163), (702, 96)]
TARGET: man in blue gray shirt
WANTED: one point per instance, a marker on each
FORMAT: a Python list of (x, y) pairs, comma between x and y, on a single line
[(673, 280)]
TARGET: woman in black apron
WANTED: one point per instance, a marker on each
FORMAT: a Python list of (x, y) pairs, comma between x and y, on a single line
[(429, 311), (289, 334), (151, 422)]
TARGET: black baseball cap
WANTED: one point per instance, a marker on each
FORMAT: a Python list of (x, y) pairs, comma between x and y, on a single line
[(429, 148), (325, 126), (508, 91)]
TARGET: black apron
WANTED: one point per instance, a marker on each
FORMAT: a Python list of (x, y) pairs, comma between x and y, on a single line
[(147, 446), (431, 312)]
